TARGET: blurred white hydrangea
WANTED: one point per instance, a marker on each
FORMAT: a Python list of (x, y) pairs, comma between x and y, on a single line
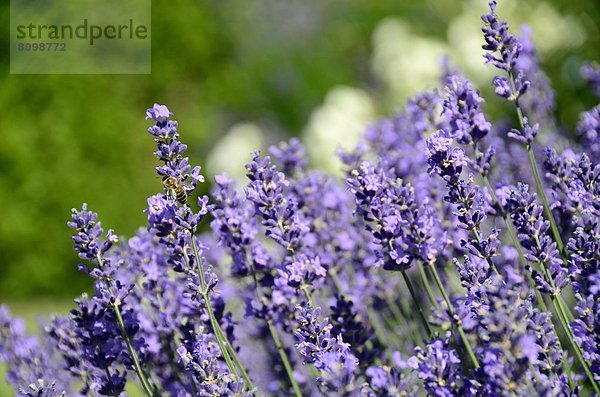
[(337, 123), (403, 61), (231, 153)]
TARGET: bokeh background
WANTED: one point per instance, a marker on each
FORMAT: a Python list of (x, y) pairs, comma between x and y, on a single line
[(239, 75)]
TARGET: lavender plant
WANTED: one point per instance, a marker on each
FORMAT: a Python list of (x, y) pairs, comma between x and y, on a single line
[(293, 289)]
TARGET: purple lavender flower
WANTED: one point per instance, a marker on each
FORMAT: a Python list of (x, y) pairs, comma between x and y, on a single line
[(516, 341), (63, 332), (291, 155), (503, 51), (466, 122), (585, 328), (527, 217), (329, 354), (41, 389), (591, 72), (276, 207), (438, 367), (168, 217), (359, 335), (302, 271), (233, 223), (298, 236), (31, 368), (390, 381), (278, 212), (87, 239), (158, 113), (471, 205), (444, 159), (403, 231), (588, 128), (326, 208), (549, 354), (526, 135), (105, 325), (389, 138), (170, 150), (313, 334), (585, 260), (102, 344), (167, 310), (558, 172), (206, 372)]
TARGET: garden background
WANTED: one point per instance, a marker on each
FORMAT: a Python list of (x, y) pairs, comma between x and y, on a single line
[(239, 75)]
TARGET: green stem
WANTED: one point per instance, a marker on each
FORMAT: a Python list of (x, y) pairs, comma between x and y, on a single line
[(396, 312), (213, 320), (488, 260), (284, 358), (578, 353), (542, 193), (461, 332), (134, 357), (401, 318), (239, 365), (336, 281), (313, 371), (561, 314), (379, 333), (277, 341), (536, 176), (568, 313), (425, 282), (307, 294), (549, 214), (393, 336), (416, 301)]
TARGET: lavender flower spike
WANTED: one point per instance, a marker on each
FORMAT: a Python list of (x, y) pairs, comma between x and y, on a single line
[(330, 355), (158, 113), (438, 366), (503, 50)]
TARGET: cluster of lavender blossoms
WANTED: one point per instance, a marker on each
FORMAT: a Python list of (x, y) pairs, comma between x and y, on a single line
[(457, 257)]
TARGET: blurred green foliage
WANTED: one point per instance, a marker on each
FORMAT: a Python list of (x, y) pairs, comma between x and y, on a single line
[(69, 139)]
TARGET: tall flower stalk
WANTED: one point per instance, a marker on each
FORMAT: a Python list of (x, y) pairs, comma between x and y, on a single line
[(170, 218), (500, 41), (503, 51)]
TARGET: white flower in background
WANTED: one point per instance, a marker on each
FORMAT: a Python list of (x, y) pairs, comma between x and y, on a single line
[(403, 61), (231, 153), (337, 123)]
